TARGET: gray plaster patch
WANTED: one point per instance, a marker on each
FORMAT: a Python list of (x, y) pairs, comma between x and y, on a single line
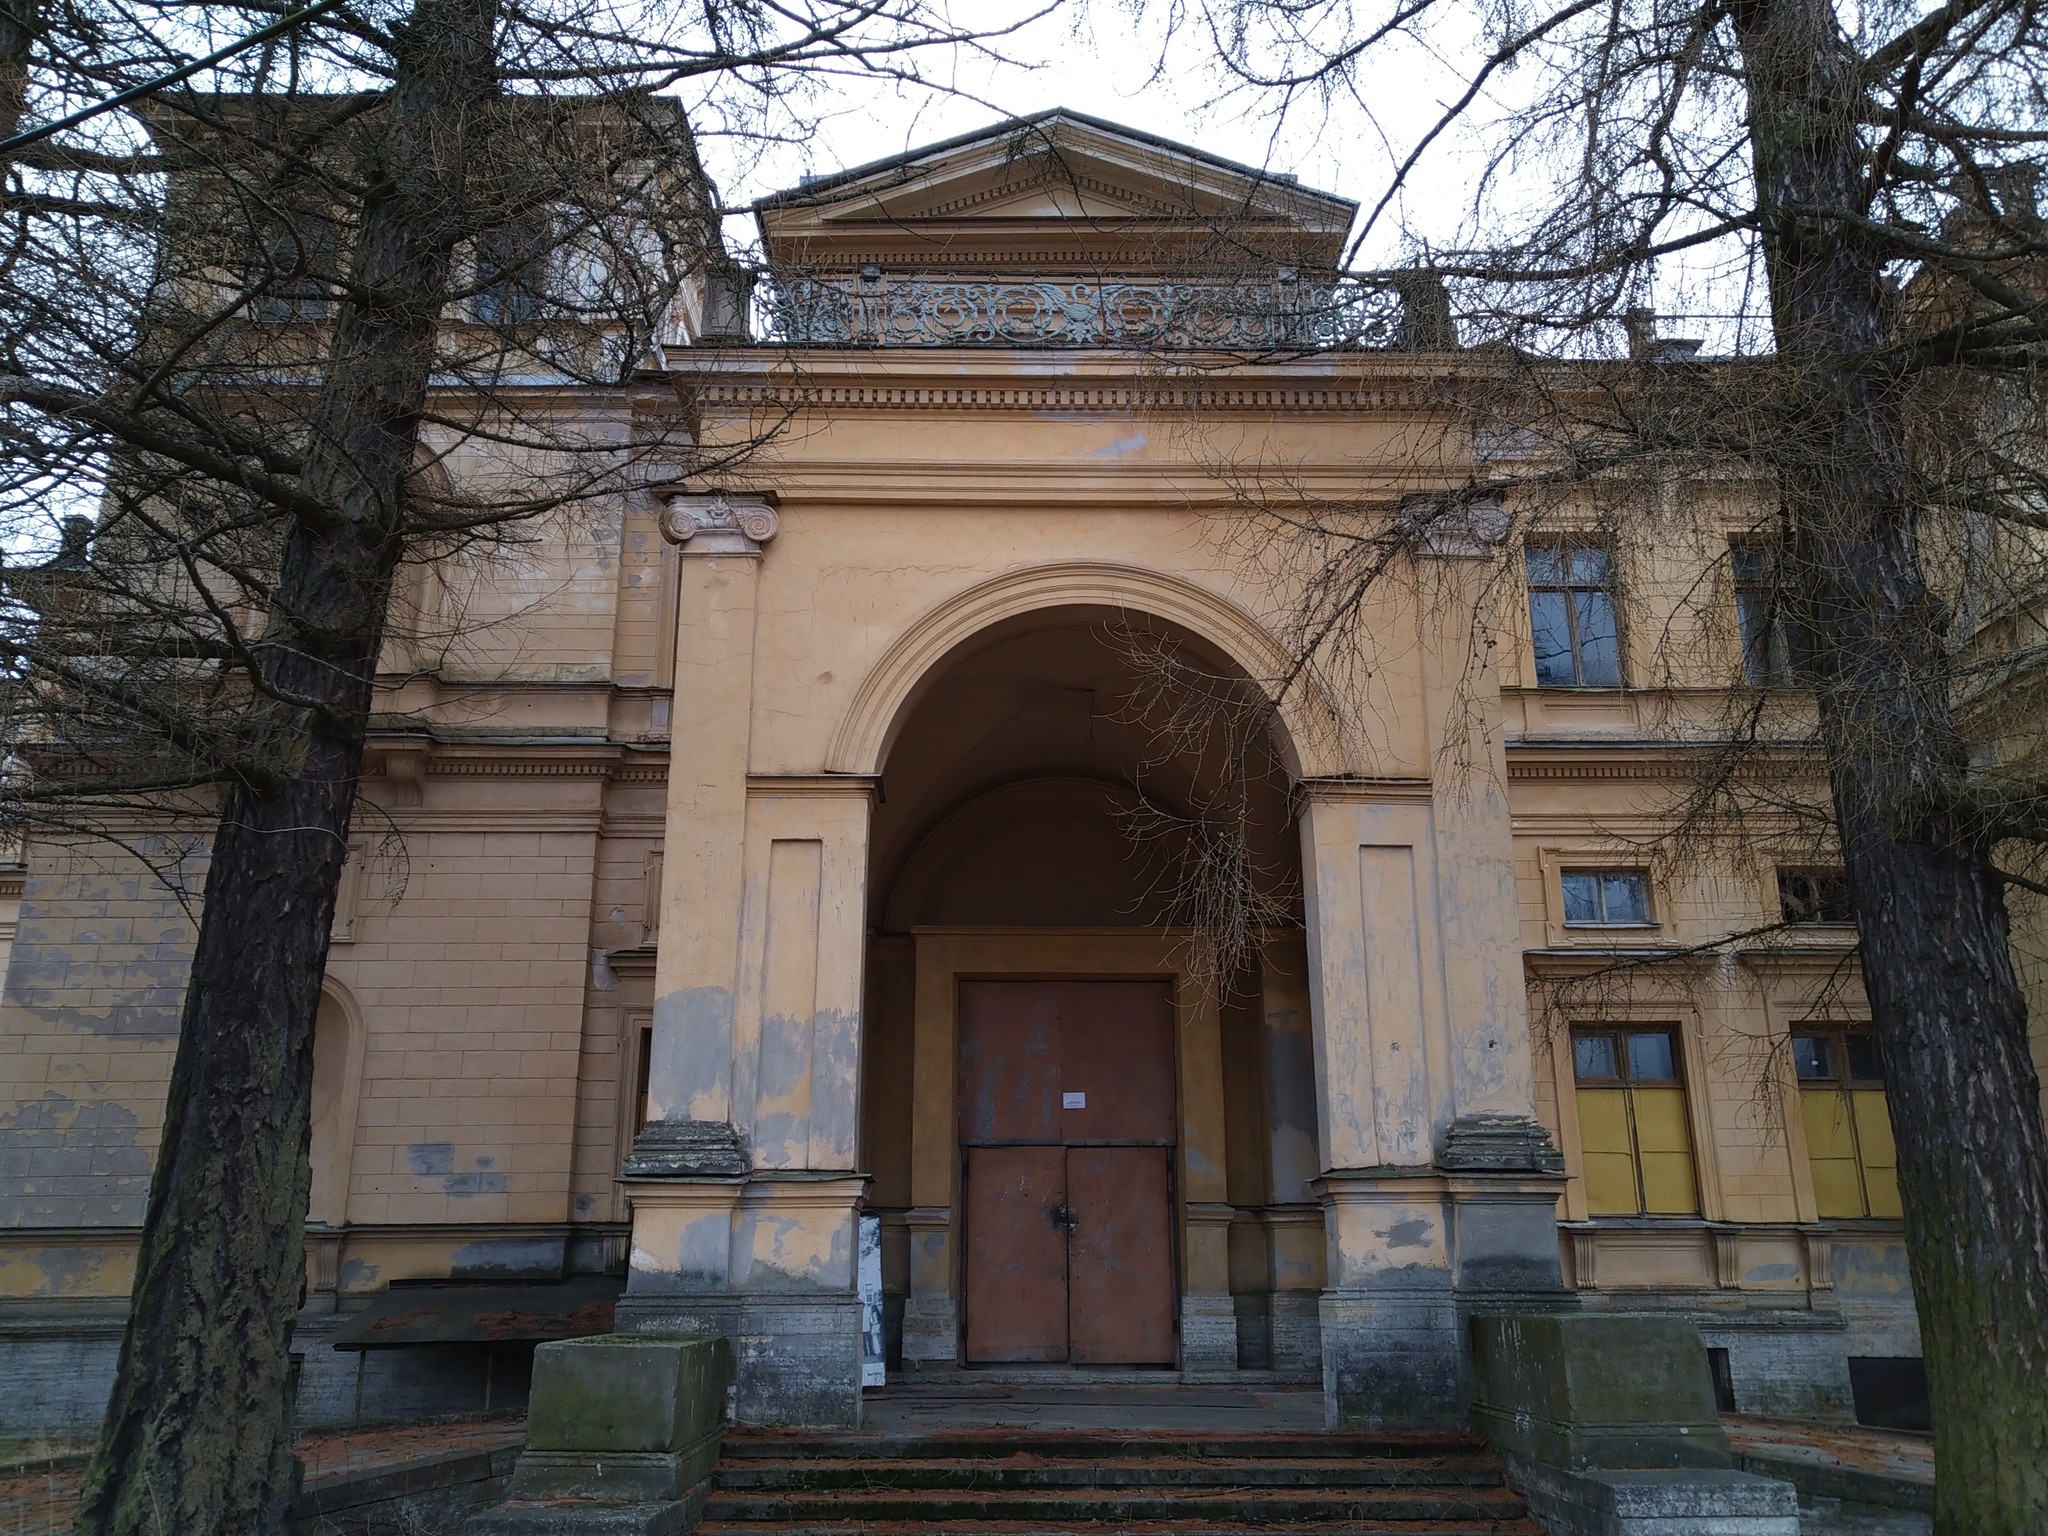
[(357, 1275), (692, 1051), (1413, 1233), (507, 1258), (1872, 1269), (104, 946), (1766, 1274), (436, 1160), (72, 1163)]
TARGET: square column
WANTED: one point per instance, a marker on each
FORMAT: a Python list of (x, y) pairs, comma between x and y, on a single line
[(1438, 1183), (742, 1185)]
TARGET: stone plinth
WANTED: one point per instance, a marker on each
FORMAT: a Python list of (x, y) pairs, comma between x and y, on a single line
[(621, 1435), (1596, 1390)]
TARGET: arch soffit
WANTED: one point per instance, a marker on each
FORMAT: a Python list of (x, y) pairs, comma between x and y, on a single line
[(885, 696), (945, 838)]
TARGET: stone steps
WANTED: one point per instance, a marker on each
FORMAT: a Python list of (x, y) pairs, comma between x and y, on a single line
[(1027, 1471), (1005, 1482)]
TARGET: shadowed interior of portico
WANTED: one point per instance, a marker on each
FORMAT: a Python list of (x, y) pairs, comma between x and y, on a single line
[(1064, 1116)]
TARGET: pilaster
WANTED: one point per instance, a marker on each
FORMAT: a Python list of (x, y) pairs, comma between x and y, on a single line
[(690, 1129)]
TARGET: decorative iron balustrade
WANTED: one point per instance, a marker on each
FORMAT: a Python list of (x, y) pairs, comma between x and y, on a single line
[(872, 309)]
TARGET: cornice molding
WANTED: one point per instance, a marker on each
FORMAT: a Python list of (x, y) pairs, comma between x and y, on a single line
[(1108, 398)]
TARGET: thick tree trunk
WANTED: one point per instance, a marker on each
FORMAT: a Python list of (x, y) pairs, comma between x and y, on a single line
[(198, 1434), (1945, 1002)]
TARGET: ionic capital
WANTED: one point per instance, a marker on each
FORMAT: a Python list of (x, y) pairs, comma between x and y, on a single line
[(719, 522)]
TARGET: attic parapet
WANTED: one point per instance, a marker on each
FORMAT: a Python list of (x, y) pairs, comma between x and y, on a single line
[(1286, 312)]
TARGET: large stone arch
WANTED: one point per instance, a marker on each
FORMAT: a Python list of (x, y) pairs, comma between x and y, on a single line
[(1306, 730)]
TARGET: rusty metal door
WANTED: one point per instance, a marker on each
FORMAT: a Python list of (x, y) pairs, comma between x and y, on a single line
[(1017, 1254), (1066, 1128)]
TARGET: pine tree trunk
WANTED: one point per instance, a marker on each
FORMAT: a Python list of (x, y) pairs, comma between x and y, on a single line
[(1945, 1002), (198, 1432)]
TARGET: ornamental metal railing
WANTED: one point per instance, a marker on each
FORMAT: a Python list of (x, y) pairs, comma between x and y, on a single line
[(923, 309)]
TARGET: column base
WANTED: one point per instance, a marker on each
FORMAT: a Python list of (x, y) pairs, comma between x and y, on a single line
[(1297, 1333), (931, 1333), (677, 1149), (1208, 1333), (1393, 1356)]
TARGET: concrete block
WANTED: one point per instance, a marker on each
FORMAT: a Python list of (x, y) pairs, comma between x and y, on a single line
[(627, 1392), (1691, 1501), (1596, 1390), (622, 1433)]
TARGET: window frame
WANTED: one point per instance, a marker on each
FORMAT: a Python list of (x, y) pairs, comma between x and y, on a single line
[(1781, 873), (1561, 548), (302, 288), (1843, 1082), (515, 294), (1626, 1081), (1781, 664), (1600, 874)]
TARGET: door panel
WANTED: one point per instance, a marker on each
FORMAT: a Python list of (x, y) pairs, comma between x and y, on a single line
[(1116, 1048), (1009, 1061), (1016, 1241), (1068, 1243), (1119, 1256)]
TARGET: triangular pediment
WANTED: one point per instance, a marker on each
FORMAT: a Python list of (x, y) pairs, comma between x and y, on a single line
[(1050, 192)]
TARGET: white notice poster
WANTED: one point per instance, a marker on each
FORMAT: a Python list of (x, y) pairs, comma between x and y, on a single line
[(874, 1367)]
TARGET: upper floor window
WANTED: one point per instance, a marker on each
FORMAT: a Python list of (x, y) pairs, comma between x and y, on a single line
[(1768, 658), (511, 272), (1634, 1138), (1814, 896), (1606, 898), (300, 265), (1848, 1126), (1572, 615)]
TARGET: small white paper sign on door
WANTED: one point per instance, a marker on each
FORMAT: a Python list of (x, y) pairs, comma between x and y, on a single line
[(1073, 1101)]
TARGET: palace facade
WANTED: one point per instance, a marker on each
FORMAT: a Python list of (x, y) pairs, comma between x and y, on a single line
[(775, 853)]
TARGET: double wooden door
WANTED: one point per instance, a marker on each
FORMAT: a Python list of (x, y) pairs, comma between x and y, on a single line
[(1067, 1130)]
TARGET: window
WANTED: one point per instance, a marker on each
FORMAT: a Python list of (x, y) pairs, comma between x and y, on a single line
[(1817, 897), (1768, 660), (642, 1077), (1633, 1135), (1606, 898), (511, 272), (297, 277), (1848, 1128), (1572, 616)]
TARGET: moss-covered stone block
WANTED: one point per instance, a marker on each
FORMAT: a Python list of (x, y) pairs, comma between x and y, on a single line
[(1592, 1389), (627, 1392)]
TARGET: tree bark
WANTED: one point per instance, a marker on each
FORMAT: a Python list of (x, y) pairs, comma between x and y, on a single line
[(198, 1432), (1946, 1005)]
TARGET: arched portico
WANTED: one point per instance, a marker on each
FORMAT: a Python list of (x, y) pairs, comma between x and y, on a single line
[(1026, 898), (1379, 1176)]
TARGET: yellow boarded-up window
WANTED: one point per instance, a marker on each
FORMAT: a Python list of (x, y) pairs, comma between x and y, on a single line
[(1635, 1137), (1848, 1126)]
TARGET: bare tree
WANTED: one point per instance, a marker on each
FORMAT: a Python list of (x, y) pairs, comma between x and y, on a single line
[(1845, 197), (292, 299)]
